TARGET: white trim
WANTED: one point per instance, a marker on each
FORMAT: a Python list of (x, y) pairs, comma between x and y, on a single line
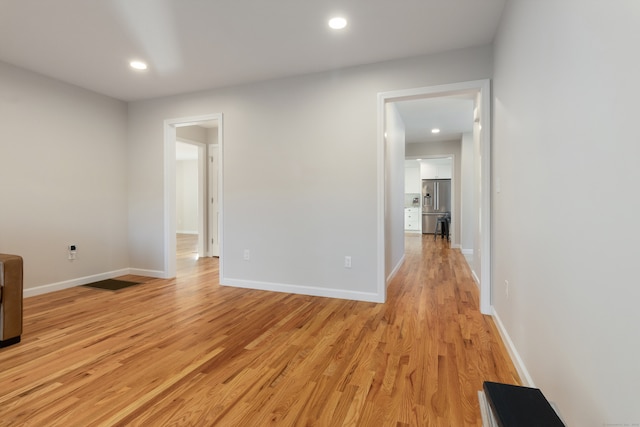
[(156, 274), (170, 188), (303, 290), (484, 88), (381, 284), (213, 177), (396, 269), (203, 235), (475, 277), (513, 353), (220, 171), (52, 287), (169, 199), (473, 273), (485, 211)]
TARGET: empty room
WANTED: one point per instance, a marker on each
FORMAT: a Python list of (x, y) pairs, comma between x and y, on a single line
[(295, 294)]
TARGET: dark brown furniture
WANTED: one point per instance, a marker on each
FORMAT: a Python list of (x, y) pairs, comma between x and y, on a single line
[(10, 299)]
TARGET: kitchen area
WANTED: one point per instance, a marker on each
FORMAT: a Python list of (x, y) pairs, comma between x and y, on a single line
[(427, 195)]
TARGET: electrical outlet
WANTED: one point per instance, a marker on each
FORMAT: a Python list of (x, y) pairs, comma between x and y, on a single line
[(506, 288), (347, 262), (247, 255), (72, 251)]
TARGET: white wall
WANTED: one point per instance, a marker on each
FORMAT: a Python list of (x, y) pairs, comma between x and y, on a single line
[(394, 183), (565, 223), (63, 178), (187, 196), (193, 133), (478, 194), (292, 194), (187, 185), (467, 207)]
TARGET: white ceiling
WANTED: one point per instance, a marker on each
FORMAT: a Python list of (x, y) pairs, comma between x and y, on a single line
[(452, 115), (193, 45)]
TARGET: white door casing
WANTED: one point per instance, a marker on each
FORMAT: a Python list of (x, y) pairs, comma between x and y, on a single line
[(483, 89), (170, 126)]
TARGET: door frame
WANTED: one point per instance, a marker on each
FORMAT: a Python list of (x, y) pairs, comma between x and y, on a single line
[(454, 182), (483, 87), (170, 126)]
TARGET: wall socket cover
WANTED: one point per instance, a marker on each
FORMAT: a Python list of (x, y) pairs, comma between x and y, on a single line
[(347, 262)]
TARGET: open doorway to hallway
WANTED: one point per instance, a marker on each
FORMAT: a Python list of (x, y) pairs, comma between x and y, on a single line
[(193, 196), (422, 117), (196, 186), (439, 155)]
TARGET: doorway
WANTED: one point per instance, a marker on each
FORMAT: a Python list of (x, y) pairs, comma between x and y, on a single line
[(480, 91), (205, 133), (191, 189)]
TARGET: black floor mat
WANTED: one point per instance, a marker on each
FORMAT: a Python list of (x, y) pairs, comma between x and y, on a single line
[(112, 284)]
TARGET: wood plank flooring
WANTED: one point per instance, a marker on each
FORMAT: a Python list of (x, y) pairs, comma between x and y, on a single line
[(189, 352)]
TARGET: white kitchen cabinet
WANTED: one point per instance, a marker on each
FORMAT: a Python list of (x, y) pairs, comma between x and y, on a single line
[(412, 180), (443, 171), (412, 219), (435, 169)]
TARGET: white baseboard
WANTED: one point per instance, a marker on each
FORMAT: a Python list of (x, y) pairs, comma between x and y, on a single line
[(475, 277), (45, 289), (395, 270), (302, 290), (186, 232), (473, 272), (148, 273), (513, 353), (52, 287)]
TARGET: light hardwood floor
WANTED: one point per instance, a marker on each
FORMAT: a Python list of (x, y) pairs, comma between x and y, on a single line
[(191, 352)]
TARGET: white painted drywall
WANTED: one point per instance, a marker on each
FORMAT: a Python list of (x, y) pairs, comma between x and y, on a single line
[(300, 171), (394, 182), (192, 133), (63, 178), (467, 207), (187, 196), (565, 150), (478, 196)]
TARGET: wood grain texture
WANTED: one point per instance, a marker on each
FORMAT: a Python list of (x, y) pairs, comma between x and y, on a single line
[(189, 352)]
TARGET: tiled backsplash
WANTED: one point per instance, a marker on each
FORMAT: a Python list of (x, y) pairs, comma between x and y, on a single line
[(408, 200)]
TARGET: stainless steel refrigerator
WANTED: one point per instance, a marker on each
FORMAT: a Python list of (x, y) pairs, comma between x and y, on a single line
[(436, 201)]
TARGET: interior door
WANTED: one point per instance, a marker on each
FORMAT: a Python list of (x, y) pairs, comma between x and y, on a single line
[(214, 241)]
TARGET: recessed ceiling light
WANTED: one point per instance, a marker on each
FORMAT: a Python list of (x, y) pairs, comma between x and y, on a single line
[(435, 130), (138, 65), (337, 23)]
